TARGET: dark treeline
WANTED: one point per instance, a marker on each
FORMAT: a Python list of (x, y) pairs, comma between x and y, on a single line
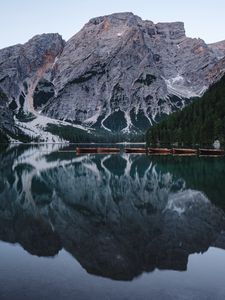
[(3, 138), (200, 123), (76, 135)]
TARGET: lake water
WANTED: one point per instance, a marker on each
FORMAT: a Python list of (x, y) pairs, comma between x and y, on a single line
[(110, 226)]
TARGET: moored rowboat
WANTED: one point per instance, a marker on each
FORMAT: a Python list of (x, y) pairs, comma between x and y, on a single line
[(183, 151), (159, 150), (108, 150), (211, 152), (86, 150), (97, 150), (135, 150)]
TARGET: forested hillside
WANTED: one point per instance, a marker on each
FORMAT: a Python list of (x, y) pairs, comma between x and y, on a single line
[(200, 123)]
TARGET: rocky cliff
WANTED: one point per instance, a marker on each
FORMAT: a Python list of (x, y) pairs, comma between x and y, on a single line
[(218, 48), (21, 68), (122, 73), (119, 73)]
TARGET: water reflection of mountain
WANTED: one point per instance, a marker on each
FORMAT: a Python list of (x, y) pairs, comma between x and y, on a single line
[(118, 215)]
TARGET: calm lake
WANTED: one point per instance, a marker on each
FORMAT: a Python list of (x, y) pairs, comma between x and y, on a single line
[(121, 226)]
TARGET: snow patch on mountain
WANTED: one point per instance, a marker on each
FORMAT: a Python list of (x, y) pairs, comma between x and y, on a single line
[(93, 119), (37, 128), (176, 86)]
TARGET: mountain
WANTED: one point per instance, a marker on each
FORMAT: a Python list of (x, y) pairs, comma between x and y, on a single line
[(118, 75), (218, 48), (202, 122), (21, 68)]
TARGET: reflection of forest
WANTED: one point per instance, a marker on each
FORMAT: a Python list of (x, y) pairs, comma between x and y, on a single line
[(206, 174), (118, 215)]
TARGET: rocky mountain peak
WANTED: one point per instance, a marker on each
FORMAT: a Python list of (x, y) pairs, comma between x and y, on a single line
[(119, 73), (117, 19), (218, 48), (171, 31), (128, 72)]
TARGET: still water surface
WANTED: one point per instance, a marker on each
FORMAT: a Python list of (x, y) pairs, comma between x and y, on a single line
[(110, 226)]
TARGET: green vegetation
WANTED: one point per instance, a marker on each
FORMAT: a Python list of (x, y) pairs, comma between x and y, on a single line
[(25, 117), (199, 173), (200, 123), (76, 135), (3, 138), (18, 135), (69, 133), (116, 121), (139, 120)]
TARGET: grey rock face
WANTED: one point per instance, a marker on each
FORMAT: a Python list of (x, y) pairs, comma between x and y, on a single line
[(218, 48), (119, 73), (42, 93), (22, 66), (122, 73)]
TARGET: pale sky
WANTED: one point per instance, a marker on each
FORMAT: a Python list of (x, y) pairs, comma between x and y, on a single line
[(22, 19)]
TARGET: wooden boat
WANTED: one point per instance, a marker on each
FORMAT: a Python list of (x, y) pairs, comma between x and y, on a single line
[(182, 151), (135, 150), (159, 151), (86, 150), (211, 152), (108, 150)]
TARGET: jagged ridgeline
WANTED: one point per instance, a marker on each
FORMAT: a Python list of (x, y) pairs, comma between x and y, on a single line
[(111, 81), (201, 123)]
